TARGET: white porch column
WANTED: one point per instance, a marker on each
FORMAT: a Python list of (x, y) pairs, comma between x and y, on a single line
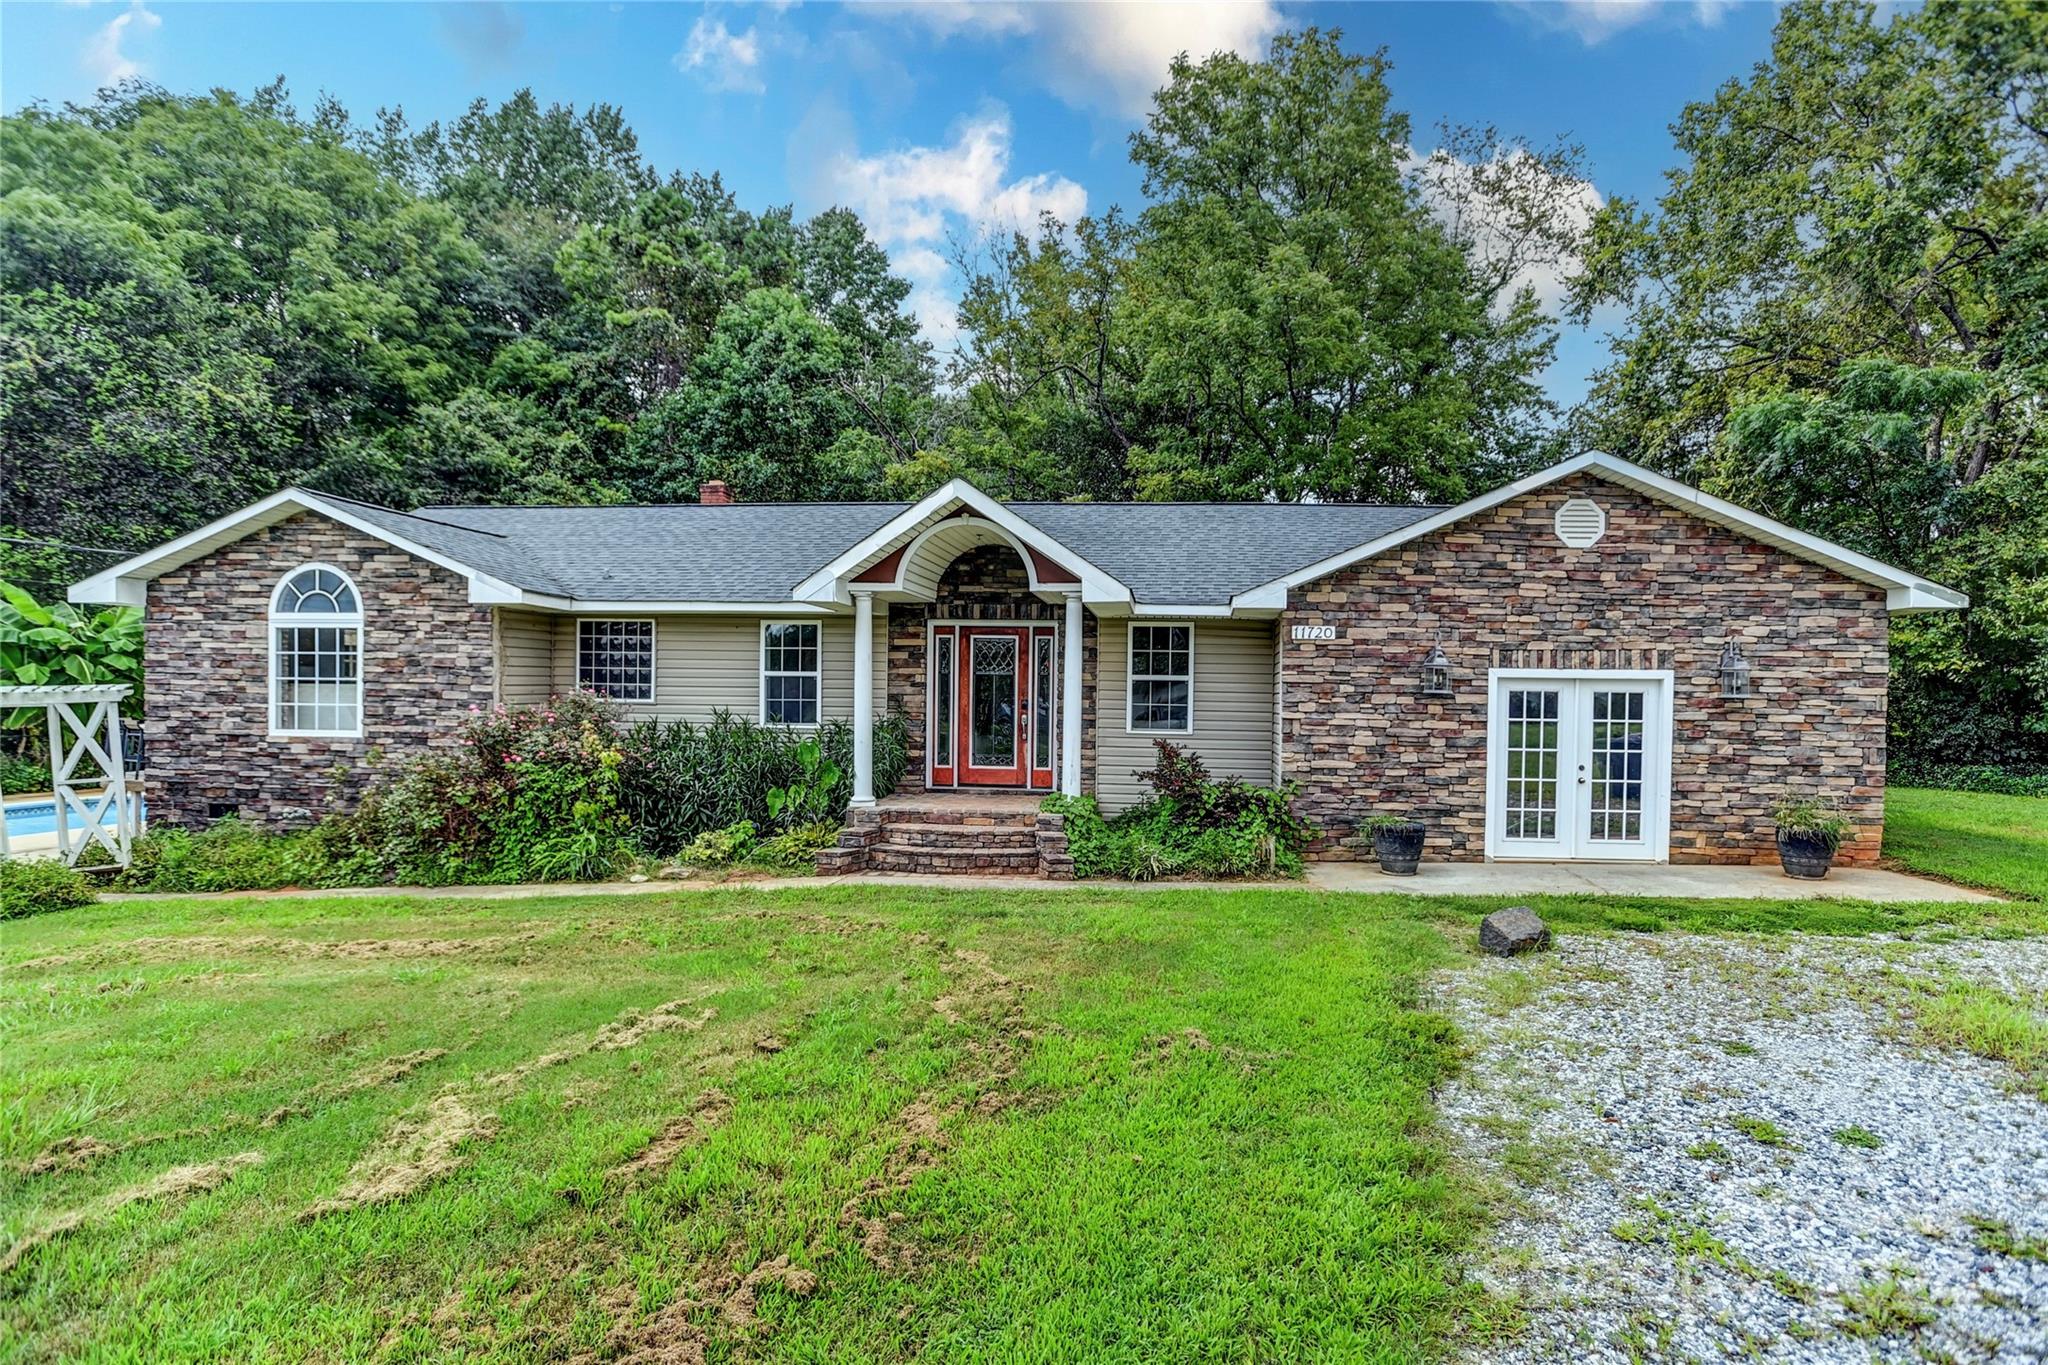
[(1070, 702), (863, 698)]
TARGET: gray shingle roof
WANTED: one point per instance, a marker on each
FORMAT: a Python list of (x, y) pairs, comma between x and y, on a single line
[(1204, 553), (1188, 554)]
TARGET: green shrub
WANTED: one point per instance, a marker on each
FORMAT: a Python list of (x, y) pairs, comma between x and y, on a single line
[(682, 778), (19, 773), (1194, 826), (229, 856), (719, 847), (548, 793), (796, 848), (1970, 777), (532, 795), (1813, 818), (806, 799), (32, 886)]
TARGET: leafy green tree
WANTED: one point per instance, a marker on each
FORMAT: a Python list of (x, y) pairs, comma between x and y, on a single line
[(765, 409), (1839, 311), (1290, 316)]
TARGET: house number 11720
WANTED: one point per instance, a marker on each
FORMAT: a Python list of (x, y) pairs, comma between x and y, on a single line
[(1315, 632)]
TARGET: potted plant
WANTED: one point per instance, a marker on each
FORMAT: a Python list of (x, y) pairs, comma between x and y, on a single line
[(1396, 842), (1809, 832)]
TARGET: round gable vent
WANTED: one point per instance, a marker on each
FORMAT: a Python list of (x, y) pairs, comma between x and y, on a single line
[(1581, 523)]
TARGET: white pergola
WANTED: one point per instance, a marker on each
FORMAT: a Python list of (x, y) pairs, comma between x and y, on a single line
[(82, 819)]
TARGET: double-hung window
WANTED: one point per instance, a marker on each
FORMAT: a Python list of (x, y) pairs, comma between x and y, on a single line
[(616, 659), (316, 654), (1162, 698), (789, 672)]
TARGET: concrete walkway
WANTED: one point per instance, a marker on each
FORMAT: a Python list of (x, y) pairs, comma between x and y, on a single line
[(1498, 880), (1671, 881)]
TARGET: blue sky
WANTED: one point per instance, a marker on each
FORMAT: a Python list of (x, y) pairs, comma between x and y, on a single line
[(933, 120)]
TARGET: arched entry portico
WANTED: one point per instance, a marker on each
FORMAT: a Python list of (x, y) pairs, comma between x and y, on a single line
[(904, 560)]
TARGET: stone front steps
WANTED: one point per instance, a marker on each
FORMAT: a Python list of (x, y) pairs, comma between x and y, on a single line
[(997, 836)]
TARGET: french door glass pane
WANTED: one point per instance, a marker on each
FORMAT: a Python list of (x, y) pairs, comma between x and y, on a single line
[(1615, 766), (992, 701), (1532, 761)]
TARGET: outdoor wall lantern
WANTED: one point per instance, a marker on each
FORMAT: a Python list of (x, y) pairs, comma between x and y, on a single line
[(1436, 671), (1734, 671)]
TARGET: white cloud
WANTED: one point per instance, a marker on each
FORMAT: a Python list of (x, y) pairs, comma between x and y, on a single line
[(103, 56), (1595, 21), (1109, 56), (723, 59), (1119, 54), (1513, 213), (914, 200)]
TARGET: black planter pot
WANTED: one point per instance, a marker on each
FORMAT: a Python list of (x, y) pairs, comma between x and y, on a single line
[(1398, 847), (1805, 855)]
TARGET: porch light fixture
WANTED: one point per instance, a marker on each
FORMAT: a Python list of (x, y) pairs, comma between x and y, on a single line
[(1436, 671), (1734, 671)]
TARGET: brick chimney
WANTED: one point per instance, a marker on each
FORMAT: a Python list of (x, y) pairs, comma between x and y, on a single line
[(714, 493)]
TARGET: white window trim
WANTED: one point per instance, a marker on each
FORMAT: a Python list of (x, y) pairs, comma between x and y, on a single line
[(1131, 676), (653, 653), (1656, 781), (761, 672), (275, 621)]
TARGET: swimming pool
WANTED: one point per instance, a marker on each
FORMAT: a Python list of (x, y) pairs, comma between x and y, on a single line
[(38, 815)]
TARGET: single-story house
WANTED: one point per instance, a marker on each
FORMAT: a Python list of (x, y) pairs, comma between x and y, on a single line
[(1595, 662)]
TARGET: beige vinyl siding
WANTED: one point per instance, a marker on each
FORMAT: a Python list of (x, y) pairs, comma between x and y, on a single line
[(1233, 711), (526, 647), (707, 663)]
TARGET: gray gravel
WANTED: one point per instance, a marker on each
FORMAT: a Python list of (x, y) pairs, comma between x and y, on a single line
[(1609, 1088)]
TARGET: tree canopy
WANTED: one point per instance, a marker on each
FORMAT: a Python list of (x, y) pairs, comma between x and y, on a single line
[(1837, 313)]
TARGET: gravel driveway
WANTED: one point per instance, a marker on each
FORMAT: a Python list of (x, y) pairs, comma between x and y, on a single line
[(1737, 1148)]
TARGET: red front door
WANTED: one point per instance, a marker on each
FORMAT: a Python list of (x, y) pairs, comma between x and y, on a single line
[(994, 735), (994, 705)]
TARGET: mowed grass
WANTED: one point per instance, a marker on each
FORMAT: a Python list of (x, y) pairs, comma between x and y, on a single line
[(849, 1123), (1996, 842)]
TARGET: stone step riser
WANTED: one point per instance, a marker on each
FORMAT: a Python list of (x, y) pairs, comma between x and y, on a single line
[(899, 858), (965, 838)]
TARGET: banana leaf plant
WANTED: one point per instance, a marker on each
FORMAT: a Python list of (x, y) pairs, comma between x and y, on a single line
[(59, 645)]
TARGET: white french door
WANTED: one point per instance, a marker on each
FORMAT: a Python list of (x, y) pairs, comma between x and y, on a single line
[(1578, 765)]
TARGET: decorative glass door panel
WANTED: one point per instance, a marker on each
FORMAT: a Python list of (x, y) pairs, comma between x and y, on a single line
[(992, 702), (1575, 767)]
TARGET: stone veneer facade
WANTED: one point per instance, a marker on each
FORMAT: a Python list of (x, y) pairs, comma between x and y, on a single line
[(427, 657), (1662, 589), (987, 583)]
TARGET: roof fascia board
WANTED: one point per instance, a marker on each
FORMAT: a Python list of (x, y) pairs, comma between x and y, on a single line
[(1916, 594), (579, 606), (828, 584)]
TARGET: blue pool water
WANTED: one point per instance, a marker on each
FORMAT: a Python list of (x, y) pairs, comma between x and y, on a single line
[(39, 816)]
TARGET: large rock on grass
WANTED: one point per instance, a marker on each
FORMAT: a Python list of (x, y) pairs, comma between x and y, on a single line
[(1513, 930)]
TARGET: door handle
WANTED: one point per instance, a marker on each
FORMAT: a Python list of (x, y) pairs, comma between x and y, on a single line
[(1582, 774)]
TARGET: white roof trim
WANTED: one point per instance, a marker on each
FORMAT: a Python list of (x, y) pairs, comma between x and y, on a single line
[(833, 582), (1905, 591), (580, 606), (128, 581)]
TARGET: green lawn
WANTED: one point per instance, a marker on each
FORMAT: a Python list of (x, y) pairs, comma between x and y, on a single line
[(845, 1123), (1996, 842)]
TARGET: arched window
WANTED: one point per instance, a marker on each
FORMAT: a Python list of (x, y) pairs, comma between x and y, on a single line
[(316, 654)]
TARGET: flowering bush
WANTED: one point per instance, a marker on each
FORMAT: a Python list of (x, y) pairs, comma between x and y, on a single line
[(532, 795)]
